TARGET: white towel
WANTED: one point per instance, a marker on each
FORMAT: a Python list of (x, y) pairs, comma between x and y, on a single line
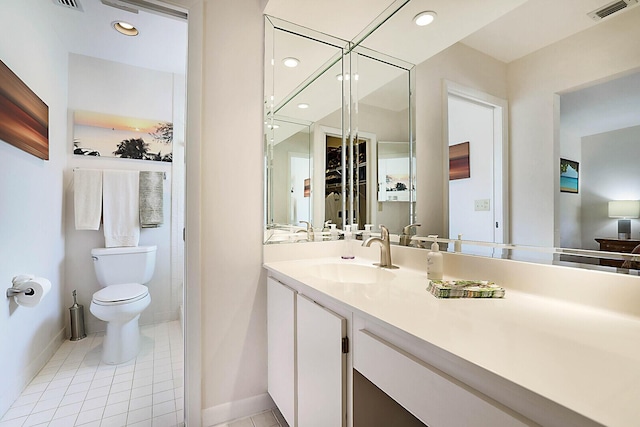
[(87, 198), (121, 208)]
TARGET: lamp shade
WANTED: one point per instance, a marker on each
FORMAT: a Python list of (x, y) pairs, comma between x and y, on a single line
[(624, 209)]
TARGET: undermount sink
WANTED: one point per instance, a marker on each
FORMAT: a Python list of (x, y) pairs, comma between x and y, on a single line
[(351, 273)]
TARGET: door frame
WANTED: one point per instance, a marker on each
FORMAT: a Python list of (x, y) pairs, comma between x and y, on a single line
[(501, 154)]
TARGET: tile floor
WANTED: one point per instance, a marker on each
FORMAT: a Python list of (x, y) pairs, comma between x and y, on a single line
[(271, 418), (76, 389)]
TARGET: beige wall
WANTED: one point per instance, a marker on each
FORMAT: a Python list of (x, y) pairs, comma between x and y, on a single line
[(467, 67), (232, 282)]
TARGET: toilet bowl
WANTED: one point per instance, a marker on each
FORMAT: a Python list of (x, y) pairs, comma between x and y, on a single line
[(121, 272)]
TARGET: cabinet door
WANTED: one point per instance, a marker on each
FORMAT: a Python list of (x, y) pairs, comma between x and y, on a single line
[(321, 365), (281, 303)]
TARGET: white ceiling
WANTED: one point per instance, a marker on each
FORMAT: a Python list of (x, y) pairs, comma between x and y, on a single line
[(505, 30), (161, 44)]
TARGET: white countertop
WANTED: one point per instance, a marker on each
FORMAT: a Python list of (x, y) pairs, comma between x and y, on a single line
[(583, 358)]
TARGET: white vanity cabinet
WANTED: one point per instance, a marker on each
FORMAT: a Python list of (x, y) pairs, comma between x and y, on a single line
[(306, 361)]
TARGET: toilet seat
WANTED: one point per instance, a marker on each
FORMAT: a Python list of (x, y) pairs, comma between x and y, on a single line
[(120, 294)]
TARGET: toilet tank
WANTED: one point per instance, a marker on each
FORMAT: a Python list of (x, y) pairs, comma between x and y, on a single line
[(115, 266)]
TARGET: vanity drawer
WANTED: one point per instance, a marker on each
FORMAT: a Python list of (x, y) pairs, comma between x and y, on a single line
[(432, 396)]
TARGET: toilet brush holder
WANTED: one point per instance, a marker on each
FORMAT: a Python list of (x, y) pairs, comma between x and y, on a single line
[(76, 312)]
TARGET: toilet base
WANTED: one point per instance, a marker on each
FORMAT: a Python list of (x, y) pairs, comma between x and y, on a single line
[(121, 341)]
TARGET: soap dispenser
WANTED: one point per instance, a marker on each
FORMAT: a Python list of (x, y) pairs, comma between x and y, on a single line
[(434, 260), (333, 232), (347, 252), (457, 245), (367, 232)]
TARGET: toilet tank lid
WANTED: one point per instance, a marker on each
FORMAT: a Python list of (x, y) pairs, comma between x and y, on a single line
[(123, 250)]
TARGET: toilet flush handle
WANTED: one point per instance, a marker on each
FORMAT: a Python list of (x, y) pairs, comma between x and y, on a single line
[(95, 258)]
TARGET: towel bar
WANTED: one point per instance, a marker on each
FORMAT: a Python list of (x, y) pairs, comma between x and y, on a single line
[(164, 174)]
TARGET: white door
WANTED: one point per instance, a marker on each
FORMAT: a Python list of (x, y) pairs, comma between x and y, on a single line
[(299, 203), (281, 302), (477, 197), (321, 366)]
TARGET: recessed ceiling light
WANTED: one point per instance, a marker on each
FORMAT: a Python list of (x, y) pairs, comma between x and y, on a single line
[(290, 62), (303, 106), (424, 18), (125, 28)]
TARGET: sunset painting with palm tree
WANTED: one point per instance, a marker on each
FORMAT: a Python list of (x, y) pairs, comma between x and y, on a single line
[(97, 134)]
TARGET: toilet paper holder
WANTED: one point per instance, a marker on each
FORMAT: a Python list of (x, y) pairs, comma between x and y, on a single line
[(12, 292)]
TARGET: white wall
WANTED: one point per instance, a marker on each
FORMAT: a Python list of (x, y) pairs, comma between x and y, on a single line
[(534, 82), (609, 171), (31, 191), (112, 88), (570, 203), (232, 281)]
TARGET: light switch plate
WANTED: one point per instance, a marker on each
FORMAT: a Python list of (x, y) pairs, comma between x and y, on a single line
[(483, 205)]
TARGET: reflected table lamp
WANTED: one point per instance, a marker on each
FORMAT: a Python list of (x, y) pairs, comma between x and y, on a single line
[(624, 209)]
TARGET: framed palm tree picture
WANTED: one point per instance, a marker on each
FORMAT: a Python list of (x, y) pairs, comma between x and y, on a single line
[(106, 135)]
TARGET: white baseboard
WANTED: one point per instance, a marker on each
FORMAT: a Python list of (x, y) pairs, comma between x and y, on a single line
[(236, 409)]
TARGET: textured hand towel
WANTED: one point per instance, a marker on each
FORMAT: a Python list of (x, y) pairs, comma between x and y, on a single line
[(121, 208), (151, 214), (87, 198)]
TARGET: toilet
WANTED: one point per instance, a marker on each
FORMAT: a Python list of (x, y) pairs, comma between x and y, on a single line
[(122, 272)]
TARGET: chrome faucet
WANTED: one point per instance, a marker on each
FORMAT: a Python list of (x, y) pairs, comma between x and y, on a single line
[(405, 237), (385, 247), (310, 236)]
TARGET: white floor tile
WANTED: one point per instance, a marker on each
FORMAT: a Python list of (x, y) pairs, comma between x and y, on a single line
[(116, 409), (119, 420), (18, 412), (98, 402), (141, 391), (163, 396), (166, 420), (39, 418), (122, 396), (98, 392), (73, 398), (164, 408), (44, 405), (145, 423), (15, 422), (68, 410), (26, 399), (142, 414), (53, 393), (265, 419), (64, 422), (89, 416), (140, 402), (76, 389)]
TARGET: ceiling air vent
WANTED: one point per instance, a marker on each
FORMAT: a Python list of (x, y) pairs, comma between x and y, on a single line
[(610, 9), (71, 4)]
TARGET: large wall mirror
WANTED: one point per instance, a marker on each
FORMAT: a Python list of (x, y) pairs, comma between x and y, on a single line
[(506, 55)]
